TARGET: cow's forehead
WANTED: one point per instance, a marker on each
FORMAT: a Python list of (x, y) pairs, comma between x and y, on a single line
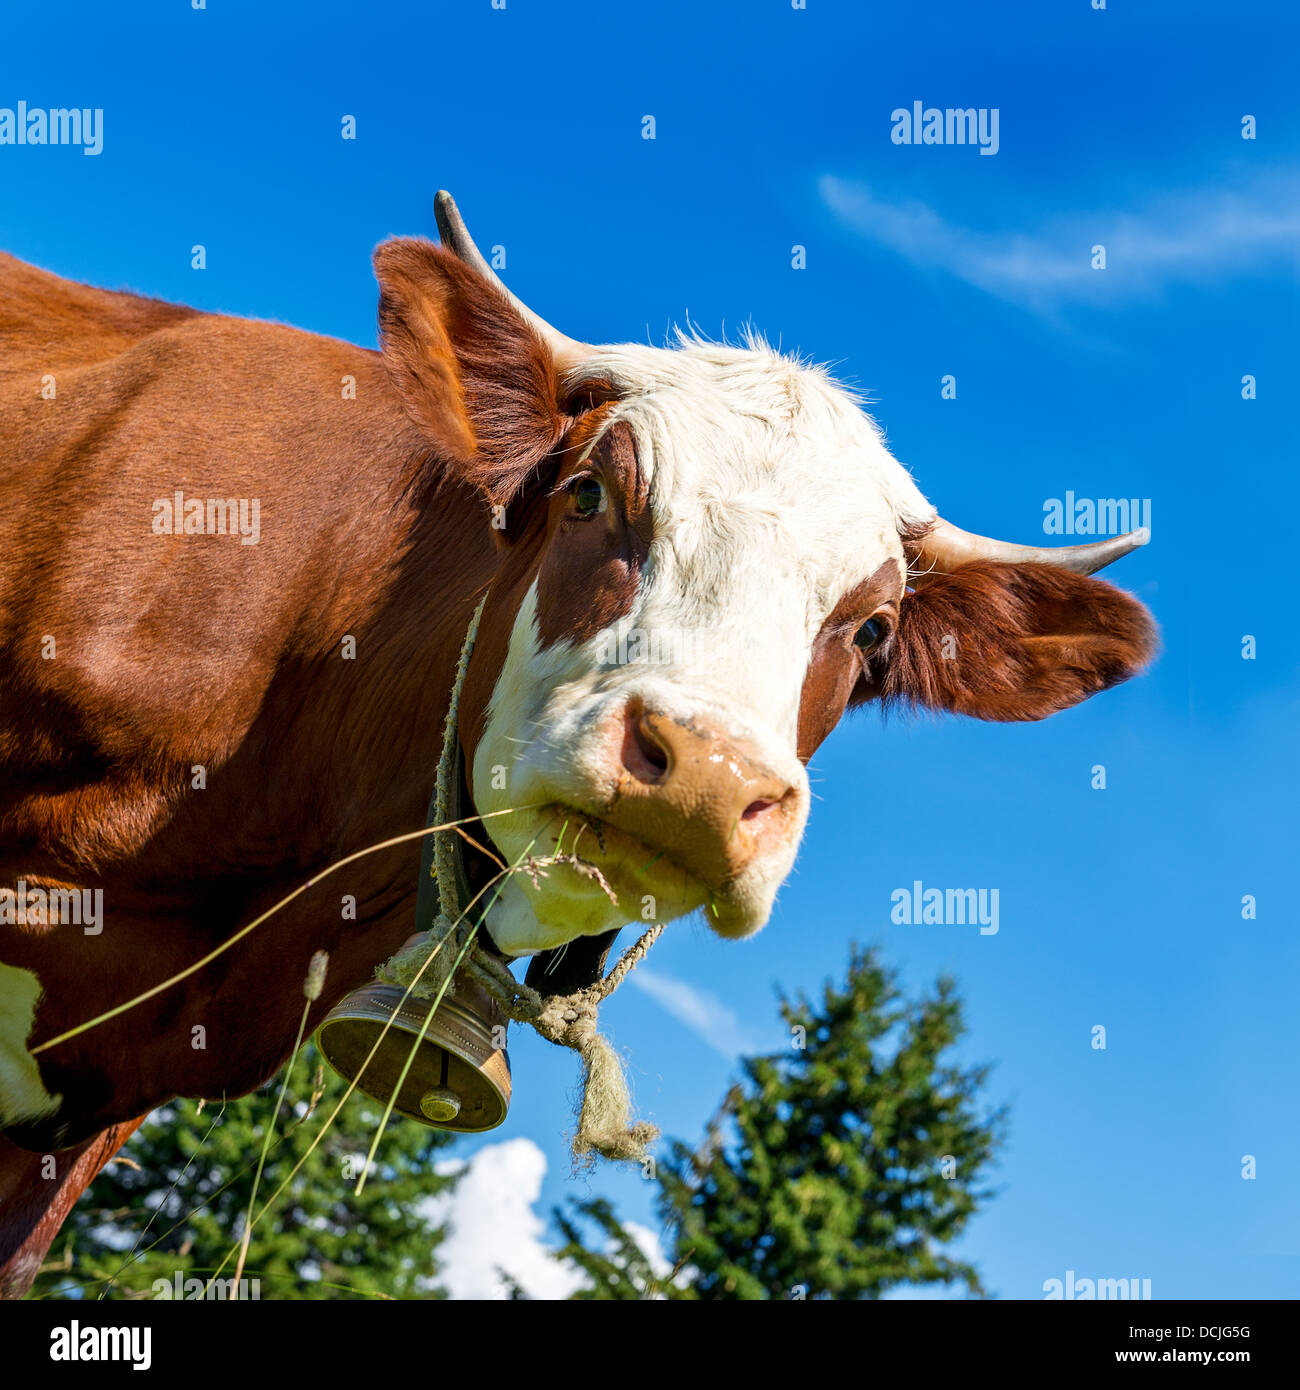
[(753, 459)]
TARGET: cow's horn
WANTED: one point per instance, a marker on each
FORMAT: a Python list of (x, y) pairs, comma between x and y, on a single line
[(946, 546), (455, 236)]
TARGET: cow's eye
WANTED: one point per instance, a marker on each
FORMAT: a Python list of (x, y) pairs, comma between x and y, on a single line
[(588, 496), (870, 635)]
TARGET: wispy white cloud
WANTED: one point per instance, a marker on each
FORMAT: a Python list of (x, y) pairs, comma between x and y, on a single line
[(1194, 236), (697, 1009)]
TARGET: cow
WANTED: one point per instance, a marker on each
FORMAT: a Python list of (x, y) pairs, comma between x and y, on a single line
[(238, 563)]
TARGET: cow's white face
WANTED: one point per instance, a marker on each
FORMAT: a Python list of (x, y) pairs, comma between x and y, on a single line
[(723, 507), (705, 561)]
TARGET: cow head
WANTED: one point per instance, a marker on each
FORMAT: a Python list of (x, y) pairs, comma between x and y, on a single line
[(707, 554)]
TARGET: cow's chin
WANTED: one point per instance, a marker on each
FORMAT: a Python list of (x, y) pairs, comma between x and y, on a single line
[(581, 877)]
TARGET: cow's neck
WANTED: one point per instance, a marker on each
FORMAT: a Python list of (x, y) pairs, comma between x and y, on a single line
[(340, 752)]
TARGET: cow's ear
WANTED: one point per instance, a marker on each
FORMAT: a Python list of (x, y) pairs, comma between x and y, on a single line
[(1011, 642), (475, 378)]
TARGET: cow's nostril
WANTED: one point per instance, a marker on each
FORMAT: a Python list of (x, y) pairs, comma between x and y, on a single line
[(701, 801), (643, 756)]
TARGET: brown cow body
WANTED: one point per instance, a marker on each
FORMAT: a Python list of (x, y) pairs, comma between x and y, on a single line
[(37, 1191), (172, 653)]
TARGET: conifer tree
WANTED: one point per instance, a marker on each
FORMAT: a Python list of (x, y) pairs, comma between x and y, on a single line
[(840, 1168), (175, 1199)]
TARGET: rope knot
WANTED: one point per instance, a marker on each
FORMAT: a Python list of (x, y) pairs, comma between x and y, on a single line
[(568, 1020)]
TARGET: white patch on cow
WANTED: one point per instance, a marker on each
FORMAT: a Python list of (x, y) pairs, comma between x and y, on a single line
[(22, 1093), (772, 494)]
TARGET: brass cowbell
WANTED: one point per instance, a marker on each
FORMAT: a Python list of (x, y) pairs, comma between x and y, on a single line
[(459, 1079)]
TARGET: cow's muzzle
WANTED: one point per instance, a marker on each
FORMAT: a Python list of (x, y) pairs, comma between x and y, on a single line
[(704, 800)]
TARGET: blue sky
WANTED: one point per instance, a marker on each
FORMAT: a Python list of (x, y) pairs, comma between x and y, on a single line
[(1122, 128)]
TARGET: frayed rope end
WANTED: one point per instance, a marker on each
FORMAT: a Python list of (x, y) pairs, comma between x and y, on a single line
[(605, 1125)]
